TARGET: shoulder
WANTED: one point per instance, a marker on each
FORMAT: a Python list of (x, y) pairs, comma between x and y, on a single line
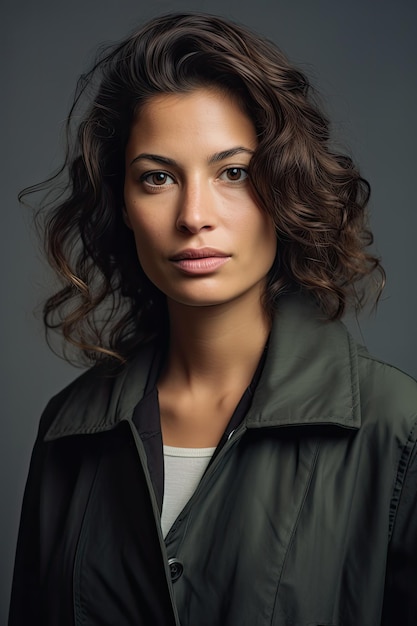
[(99, 398), (388, 396)]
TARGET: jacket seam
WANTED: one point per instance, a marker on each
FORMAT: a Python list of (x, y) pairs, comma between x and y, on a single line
[(79, 611), (373, 359), (353, 376), (402, 468), (306, 491)]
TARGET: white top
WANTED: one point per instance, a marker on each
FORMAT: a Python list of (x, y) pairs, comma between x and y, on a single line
[(183, 469)]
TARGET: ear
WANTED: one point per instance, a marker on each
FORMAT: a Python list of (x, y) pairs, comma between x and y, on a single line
[(126, 218)]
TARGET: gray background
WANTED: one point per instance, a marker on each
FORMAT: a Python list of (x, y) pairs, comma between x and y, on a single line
[(361, 54)]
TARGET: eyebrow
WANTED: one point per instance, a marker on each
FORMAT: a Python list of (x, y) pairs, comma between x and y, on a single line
[(214, 158), (226, 154)]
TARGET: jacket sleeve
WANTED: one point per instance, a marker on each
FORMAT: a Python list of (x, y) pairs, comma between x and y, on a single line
[(25, 607), (400, 601)]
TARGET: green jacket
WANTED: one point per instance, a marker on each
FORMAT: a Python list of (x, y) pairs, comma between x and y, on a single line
[(307, 516)]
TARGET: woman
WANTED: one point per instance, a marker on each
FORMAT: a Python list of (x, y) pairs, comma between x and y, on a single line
[(233, 457)]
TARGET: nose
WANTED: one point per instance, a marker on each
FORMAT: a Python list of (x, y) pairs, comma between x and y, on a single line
[(196, 210)]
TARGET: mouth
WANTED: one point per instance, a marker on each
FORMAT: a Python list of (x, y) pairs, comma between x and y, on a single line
[(200, 261), (199, 253)]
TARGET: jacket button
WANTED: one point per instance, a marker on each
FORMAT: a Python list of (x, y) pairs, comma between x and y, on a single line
[(176, 568)]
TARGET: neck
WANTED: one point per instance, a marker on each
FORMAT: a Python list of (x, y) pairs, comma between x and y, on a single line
[(215, 346)]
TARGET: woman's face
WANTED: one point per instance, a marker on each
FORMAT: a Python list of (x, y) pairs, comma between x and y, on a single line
[(200, 236)]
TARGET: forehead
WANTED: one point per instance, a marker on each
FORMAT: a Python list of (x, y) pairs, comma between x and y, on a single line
[(203, 116)]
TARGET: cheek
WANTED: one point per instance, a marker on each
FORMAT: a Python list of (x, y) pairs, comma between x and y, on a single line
[(270, 251), (267, 240), (267, 248), (152, 243), (147, 256), (145, 225), (144, 235)]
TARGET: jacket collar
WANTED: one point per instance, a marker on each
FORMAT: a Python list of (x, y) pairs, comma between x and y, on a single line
[(310, 377), (311, 371)]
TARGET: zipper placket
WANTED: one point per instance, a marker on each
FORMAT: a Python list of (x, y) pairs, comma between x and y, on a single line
[(232, 440), (143, 461)]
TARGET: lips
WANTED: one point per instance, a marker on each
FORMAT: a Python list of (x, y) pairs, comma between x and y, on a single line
[(198, 253), (199, 261)]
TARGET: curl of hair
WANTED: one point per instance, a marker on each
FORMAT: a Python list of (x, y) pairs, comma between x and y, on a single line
[(107, 305)]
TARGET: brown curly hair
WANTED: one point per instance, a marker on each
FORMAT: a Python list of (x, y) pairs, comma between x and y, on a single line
[(106, 305)]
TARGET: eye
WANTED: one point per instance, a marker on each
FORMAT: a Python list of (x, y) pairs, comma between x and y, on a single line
[(157, 179), (234, 174)]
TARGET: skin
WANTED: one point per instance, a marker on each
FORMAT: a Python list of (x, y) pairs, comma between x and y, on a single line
[(186, 188)]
